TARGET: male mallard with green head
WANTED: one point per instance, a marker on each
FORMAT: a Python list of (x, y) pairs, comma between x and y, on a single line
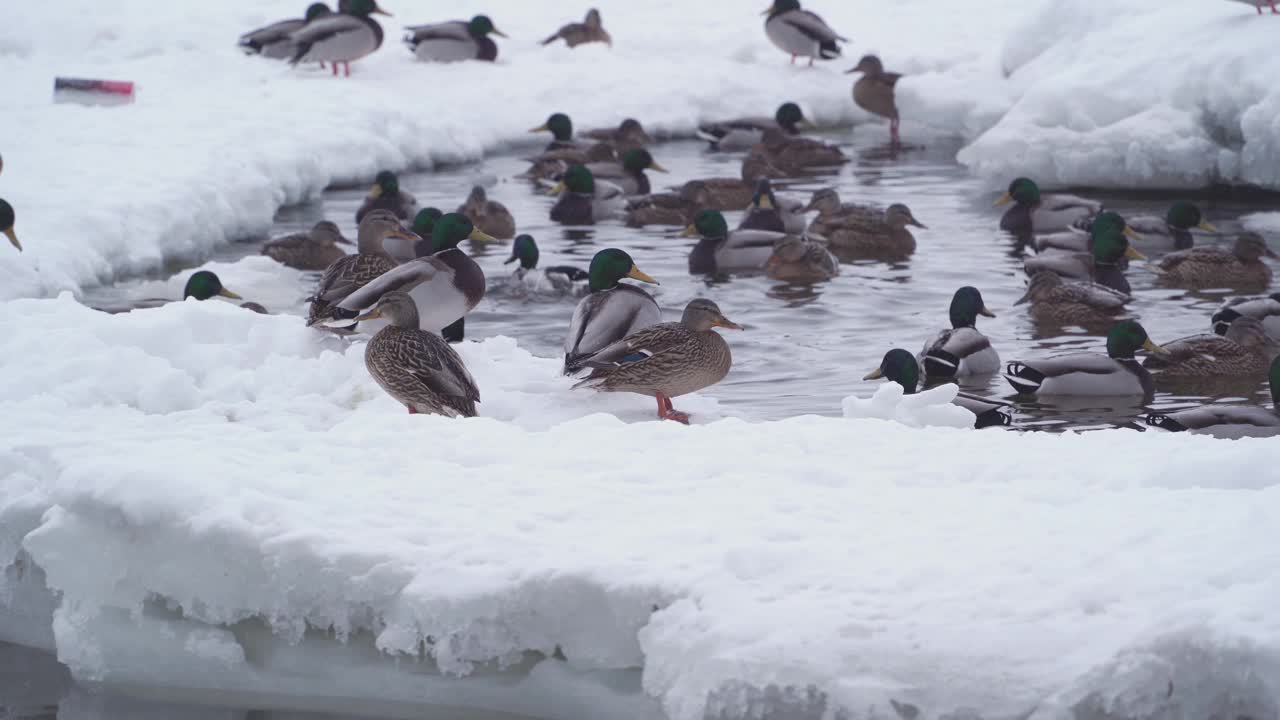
[(1103, 264), (528, 276), (583, 200), (1227, 421), (721, 251), (1205, 267), (561, 128), (962, 350), (628, 174), (415, 367), (612, 310), (273, 41), (1035, 213), (1264, 309), (801, 33), (339, 38), (1171, 232), (314, 250), (666, 360), (744, 133), (387, 195), (1115, 374), (901, 367), (454, 41)]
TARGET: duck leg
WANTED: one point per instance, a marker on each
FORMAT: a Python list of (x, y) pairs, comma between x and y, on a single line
[(335, 69), (667, 412), (1274, 11), (793, 57), (346, 68), (411, 410), (810, 61), (893, 132)]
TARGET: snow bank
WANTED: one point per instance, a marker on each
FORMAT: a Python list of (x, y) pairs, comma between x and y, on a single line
[(222, 502)]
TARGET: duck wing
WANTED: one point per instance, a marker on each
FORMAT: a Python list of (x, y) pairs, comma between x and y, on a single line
[(812, 26), (402, 277)]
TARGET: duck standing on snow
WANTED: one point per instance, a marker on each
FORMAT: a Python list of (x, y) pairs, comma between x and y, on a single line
[(1243, 351), (1035, 213), (1115, 374), (963, 350), (1056, 301), (1204, 267), (445, 285), (387, 195), (766, 212), (901, 367), (339, 37), (799, 259), (417, 368), (490, 216), (1259, 4), (314, 250), (454, 41), (721, 251), (801, 33), (561, 278), (352, 272), (612, 310), (583, 199), (1227, 421), (7, 218), (273, 41), (666, 360), (743, 133), (873, 92), (590, 30), (670, 208)]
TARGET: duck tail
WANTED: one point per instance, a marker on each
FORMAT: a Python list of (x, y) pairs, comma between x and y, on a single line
[(829, 50), (551, 39), (1164, 422), (1024, 379), (995, 417), (941, 364)]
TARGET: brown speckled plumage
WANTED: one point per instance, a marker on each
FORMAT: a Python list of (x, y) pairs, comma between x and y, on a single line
[(590, 30), (795, 155), (1244, 351), (416, 367), (353, 272), (1059, 302), (490, 216), (629, 135), (882, 237), (670, 208), (799, 259), (1201, 267), (314, 250)]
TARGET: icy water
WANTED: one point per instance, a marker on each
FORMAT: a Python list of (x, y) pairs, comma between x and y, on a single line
[(806, 347)]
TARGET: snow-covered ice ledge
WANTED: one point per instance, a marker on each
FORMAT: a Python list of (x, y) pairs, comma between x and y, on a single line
[(221, 502)]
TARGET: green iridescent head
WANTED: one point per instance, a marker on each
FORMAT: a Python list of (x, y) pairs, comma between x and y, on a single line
[(204, 285), (708, 224), (525, 250), (578, 179), (1110, 237), (789, 116), (966, 306), (559, 125), (611, 265), (363, 8), (316, 10), (901, 367), (1022, 191), (425, 221), (1126, 338), (385, 183), (481, 25), (452, 229)]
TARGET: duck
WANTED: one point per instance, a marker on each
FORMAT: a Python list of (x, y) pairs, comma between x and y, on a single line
[(901, 366), (880, 238), (1033, 213), (273, 41), (666, 360), (1170, 232), (553, 164), (720, 251), (801, 33), (454, 41), (445, 285), (766, 212), (561, 128), (834, 215), (1259, 4), (1206, 267), (528, 276), (611, 310), (962, 350), (801, 259), (628, 174), (874, 92), (1103, 264), (423, 224), (1059, 302), (794, 156), (629, 135), (1264, 309), (1227, 421), (490, 216), (416, 368), (206, 285), (590, 30), (339, 38), (743, 133), (387, 195), (7, 219), (314, 250), (734, 193), (352, 272), (671, 208), (1244, 350), (583, 199), (1090, 374)]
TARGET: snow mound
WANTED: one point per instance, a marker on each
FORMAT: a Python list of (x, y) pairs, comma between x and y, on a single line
[(928, 408)]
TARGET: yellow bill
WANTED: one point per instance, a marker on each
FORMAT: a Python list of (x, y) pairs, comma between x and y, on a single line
[(228, 294), (637, 274), (13, 238), (985, 312), (1207, 227), (375, 192), (690, 231), (1131, 233), (541, 128), (1132, 254), (1152, 347), (559, 188), (873, 375), (1005, 199), (479, 235), (657, 167)]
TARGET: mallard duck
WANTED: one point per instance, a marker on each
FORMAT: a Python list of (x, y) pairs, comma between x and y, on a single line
[(721, 251), (629, 135), (801, 33), (352, 272), (666, 360), (882, 238), (387, 195), (273, 41), (628, 174), (1202, 267), (1056, 301), (902, 367), (415, 367), (1080, 238), (873, 92), (1103, 264), (583, 199), (735, 193), (423, 224), (670, 208), (454, 41), (963, 350), (490, 216), (528, 276), (339, 38), (1116, 374), (834, 215), (766, 212), (1244, 350), (446, 285), (798, 155), (590, 30), (612, 310), (7, 219), (1259, 4), (553, 164), (561, 129), (205, 285), (1171, 232), (800, 259), (743, 133), (1227, 421), (314, 250), (1035, 213), (1264, 309)]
